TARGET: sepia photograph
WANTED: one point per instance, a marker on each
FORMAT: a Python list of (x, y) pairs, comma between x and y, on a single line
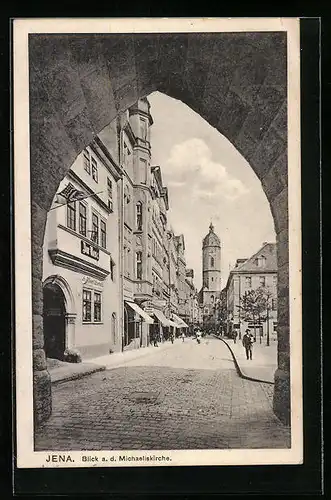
[(157, 225)]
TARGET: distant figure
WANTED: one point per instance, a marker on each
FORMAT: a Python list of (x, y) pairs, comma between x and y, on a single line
[(172, 337), (235, 335), (198, 336), (248, 344), (155, 336), (183, 336)]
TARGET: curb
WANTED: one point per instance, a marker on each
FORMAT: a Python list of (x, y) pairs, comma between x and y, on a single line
[(120, 363), (78, 375), (239, 371)]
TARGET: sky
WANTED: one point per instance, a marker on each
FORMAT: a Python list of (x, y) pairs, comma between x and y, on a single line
[(208, 180)]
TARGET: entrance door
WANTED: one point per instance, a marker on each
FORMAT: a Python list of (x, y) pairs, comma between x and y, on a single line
[(54, 321)]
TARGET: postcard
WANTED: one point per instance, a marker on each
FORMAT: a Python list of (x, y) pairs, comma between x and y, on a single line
[(157, 242)]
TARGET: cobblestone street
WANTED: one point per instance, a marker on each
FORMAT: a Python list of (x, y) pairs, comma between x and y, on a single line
[(187, 396)]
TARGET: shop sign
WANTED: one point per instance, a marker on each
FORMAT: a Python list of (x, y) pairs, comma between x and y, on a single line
[(89, 250)]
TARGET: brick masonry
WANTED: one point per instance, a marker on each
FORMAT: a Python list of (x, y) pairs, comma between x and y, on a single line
[(66, 112)]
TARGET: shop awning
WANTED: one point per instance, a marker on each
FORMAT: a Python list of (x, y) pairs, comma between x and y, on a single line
[(172, 323), (180, 322), (140, 311), (161, 317)]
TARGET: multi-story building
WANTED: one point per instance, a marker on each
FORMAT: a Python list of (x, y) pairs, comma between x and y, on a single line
[(260, 270), (191, 315), (136, 155), (114, 274), (81, 257)]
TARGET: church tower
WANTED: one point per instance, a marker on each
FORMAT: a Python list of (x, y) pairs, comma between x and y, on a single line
[(211, 270)]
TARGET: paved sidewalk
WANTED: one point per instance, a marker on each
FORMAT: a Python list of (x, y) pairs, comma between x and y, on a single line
[(61, 371), (117, 359), (263, 365)]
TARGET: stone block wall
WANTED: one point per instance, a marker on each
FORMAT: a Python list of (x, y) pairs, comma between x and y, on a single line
[(78, 85)]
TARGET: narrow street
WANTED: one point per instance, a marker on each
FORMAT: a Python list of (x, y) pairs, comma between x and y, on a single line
[(186, 396)]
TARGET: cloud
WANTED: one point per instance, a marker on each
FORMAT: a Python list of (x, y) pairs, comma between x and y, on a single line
[(191, 162)]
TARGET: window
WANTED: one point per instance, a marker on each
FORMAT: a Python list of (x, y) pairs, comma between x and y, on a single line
[(126, 194), (94, 170), (274, 278), (82, 219), (97, 307), (143, 171), (87, 305), (103, 234), (143, 129), (212, 262), (139, 264), (262, 280), (260, 261), (71, 215), (127, 155), (110, 193), (86, 161), (113, 328), (112, 270), (95, 229), (248, 281), (274, 304), (212, 299), (139, 216)]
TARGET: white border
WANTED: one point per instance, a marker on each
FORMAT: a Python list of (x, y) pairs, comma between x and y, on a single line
[(28, 458)]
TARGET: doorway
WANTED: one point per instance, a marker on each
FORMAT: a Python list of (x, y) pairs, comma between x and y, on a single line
[(54, 321)]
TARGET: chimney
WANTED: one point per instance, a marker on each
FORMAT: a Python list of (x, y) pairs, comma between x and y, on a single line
[(264, 243)]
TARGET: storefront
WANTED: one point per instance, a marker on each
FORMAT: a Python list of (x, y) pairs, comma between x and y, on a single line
[(135, 318), (160, 330), (180, 323)]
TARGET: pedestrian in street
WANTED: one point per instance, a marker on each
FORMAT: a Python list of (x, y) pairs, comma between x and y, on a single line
[(235, 335), (248, 344), (155, 344), (183, 336)]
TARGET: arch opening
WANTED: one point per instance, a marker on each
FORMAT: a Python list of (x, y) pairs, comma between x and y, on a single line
[(237, 83)]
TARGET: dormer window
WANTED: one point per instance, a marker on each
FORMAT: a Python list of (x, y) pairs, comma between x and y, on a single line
[(260, 261)]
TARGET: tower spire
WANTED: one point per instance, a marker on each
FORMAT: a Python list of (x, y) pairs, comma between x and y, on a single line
[(211, 227)]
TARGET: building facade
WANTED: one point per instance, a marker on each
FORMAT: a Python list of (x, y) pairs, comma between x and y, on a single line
[(257, 272), (114, 273), (81, 258)]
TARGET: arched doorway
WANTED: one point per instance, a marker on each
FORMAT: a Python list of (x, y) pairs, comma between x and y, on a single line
[(54, 312)]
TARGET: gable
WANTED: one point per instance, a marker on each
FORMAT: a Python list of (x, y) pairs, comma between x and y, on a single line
[(255, 263)]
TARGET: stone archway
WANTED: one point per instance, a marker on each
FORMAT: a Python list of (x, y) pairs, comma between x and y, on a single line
[(236, 81)]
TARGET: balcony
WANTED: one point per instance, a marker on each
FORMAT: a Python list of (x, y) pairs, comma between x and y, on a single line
[(75, 252), (143, 289)]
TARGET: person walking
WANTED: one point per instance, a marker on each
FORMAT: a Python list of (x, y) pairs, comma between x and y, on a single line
[(248, 344), (235, 335), (183, 336)]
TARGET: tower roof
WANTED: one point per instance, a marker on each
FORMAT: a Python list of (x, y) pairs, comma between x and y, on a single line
[(211, 239)]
